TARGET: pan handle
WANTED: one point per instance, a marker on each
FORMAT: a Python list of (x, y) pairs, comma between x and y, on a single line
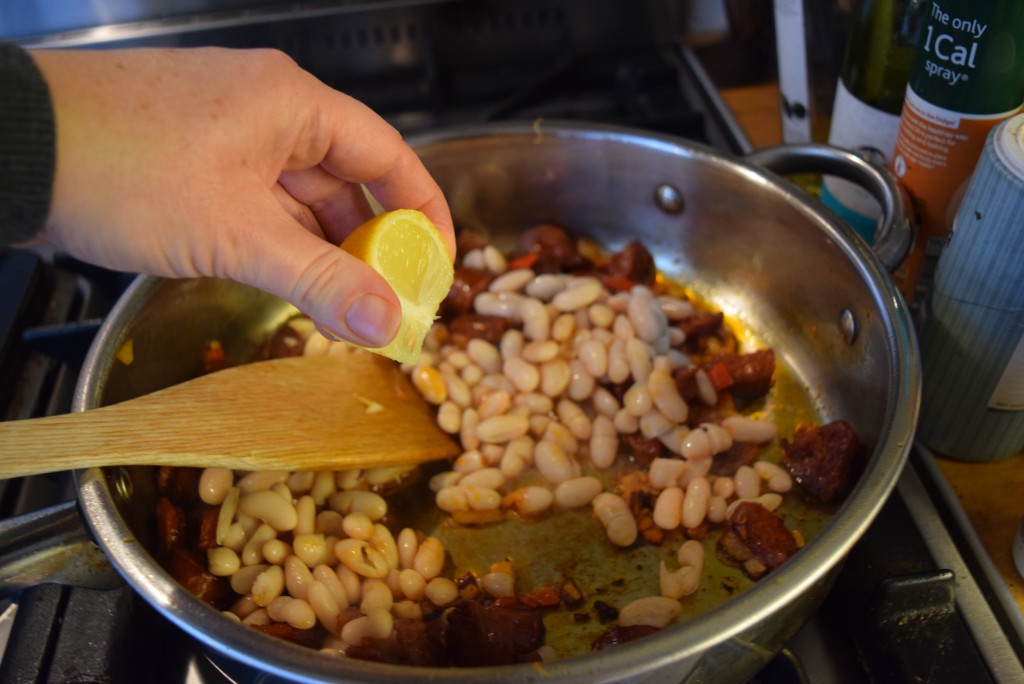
[(895, 231), (52, 545)]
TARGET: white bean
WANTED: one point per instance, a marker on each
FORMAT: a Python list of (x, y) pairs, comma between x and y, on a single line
[(625, 422), (580, 293), (675, 309), (651, 611), (523, 374), (705, 390), (214, 485), (268, 506), (744, 429), (666, 472), (639, 360), (572, 416), (695, 503), (449, 417), (528, 501), (582, 384), (668, 508), (653, 425), (604, 442), (545, 286), (555, 376), (705, 441), (540, 351), (563, 327), (666, 396), (623, 329), (601, 316), (557, 432), (748, 482), (511, 281), (594, 357), (685, 580), (673, 439), (577, 491), (775, 476), (717, 509), (429, 560), (536, 320), (484, 354), (553, 463), (502, 428), (605, 402), (494, 260), (498, 584), (618, 364), (614, 514), (485, 477), (502, 304)]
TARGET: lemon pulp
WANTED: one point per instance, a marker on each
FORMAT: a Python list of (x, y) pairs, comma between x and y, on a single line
[(404, 247)]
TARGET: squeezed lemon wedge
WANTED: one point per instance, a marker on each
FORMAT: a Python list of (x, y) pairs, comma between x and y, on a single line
[(406, 249)]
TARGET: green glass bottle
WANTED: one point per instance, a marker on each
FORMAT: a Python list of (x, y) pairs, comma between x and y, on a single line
[(869, 96)]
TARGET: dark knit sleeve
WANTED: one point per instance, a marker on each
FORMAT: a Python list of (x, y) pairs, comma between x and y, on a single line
[(27, 146)]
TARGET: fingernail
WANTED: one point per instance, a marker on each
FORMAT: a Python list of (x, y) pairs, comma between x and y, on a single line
[(374, 319)]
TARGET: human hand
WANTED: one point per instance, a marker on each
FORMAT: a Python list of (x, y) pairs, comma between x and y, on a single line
[(233, 164)]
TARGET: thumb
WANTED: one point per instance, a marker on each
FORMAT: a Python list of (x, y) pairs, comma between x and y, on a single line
[(342, 294)]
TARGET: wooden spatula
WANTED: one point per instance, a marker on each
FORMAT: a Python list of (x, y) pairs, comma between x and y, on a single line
[(353, 410)]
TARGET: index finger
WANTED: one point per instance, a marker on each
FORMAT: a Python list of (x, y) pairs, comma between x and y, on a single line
[(363, 148)]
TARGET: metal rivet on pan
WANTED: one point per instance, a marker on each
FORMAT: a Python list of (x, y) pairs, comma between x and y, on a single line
[(121, 482), (668, 198), (847, 326)]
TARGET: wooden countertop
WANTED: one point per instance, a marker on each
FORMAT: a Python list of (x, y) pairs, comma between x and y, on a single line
[(991, 494)]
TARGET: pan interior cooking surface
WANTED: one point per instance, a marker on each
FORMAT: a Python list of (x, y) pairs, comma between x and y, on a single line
[(567, 549), (572, 544)]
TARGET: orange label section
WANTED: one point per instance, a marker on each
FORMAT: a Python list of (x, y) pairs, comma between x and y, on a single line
[(936, 152)]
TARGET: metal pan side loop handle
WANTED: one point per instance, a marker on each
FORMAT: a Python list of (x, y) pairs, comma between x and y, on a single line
[(895, 232), (52, 545)]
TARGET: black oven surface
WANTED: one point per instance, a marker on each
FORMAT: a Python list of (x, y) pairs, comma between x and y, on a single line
[(909, 604)]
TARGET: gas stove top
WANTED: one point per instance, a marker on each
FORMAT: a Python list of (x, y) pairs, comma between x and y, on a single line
[(914, 600)]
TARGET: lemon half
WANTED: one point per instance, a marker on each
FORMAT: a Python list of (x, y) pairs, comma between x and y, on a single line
[(406, 249)]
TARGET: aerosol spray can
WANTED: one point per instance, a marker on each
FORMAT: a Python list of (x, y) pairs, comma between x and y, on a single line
[(967, 76), (972, 341)]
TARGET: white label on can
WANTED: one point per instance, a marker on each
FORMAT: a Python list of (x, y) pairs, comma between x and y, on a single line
[(1009, 392)]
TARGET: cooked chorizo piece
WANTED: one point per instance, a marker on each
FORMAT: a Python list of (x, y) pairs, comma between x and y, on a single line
[(471, 326), (467, 283), (739, 454), (181, 485), (479, 635), (188, 567), (686, 382), (467, 240), (823, 459), (170, 524), (763, 533), (701, 324), (751, 374), (421, 641), (285, 342), (555, 250), (207, 532), (634, 263), (642, 449), (621, 634)]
